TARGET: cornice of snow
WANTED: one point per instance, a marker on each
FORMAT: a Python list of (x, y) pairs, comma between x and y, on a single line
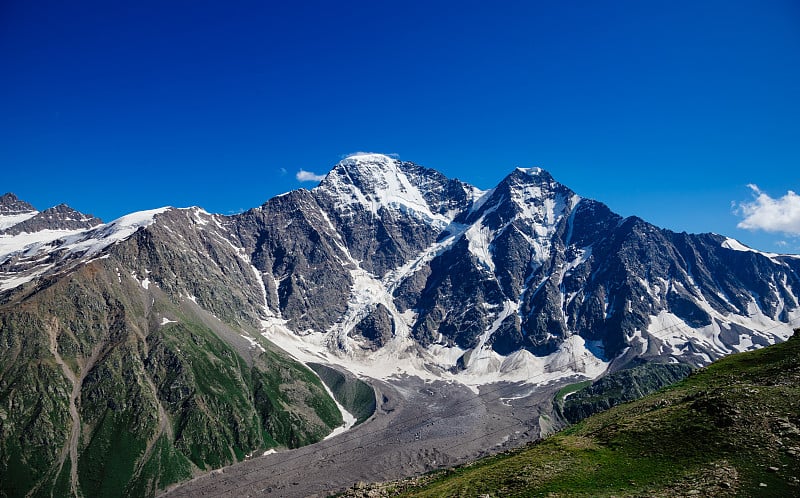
[(735, 245)]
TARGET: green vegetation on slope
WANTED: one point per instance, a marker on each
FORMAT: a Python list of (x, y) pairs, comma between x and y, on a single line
[(355, 395), (569, 390), (731, 429), (157, 401), (617, 388)]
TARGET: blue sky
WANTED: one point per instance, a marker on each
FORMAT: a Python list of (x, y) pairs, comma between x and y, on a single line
[(665, 110)]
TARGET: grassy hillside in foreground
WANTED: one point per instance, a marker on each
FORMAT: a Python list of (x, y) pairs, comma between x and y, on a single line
[(111, 389), (730, 429)]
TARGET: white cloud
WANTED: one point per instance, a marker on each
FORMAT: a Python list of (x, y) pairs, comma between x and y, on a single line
[(770, 215), (393, 155), (308, 176)]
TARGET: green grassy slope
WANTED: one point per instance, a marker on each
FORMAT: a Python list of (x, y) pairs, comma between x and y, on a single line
[(617, 388), (731, 429), (354, 394), (155, 401)]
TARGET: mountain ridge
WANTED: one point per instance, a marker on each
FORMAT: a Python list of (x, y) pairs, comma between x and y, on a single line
[(134, 363), (534, 264)]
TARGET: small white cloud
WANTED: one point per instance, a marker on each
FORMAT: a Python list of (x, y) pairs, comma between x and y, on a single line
[(781, 243), (283, 171), (393, 155), (768, 214), (308, 176)]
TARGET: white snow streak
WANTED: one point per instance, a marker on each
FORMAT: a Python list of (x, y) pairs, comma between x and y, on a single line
[(9, 220), (735, 245), (61, 244)]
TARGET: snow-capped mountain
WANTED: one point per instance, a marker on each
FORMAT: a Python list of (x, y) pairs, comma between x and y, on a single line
[(390, 263), (527, 281), (147, 345)]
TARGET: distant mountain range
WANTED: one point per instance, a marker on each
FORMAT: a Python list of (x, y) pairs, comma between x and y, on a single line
[(385, 268)]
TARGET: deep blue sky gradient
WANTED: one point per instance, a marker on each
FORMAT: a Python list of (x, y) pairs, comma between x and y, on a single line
[(665, 110)]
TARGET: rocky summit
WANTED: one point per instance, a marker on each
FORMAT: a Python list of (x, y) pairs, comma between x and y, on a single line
[(387, 260), (143, 351)]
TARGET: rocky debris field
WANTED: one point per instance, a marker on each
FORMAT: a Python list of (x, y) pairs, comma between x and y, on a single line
[(419, 426)]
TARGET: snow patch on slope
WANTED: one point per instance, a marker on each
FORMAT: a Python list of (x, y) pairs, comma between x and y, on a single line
[(9, 280), (93, 241), (29, 244), (713, 341), (480, 239), (9, 220), (254, 344), (735, 245), (348, 420), (37, 252)]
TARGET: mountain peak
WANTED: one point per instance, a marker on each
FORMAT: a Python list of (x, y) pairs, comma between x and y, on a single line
[(11, 204), (372, 182), (530, 171), (61, 217), (368, 158), (531, 193), (527, 176), (368, 169)]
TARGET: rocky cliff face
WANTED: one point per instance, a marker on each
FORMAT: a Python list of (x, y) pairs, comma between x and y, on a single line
[(163, 321), (11, 205), (139, 364), (386, 259)]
